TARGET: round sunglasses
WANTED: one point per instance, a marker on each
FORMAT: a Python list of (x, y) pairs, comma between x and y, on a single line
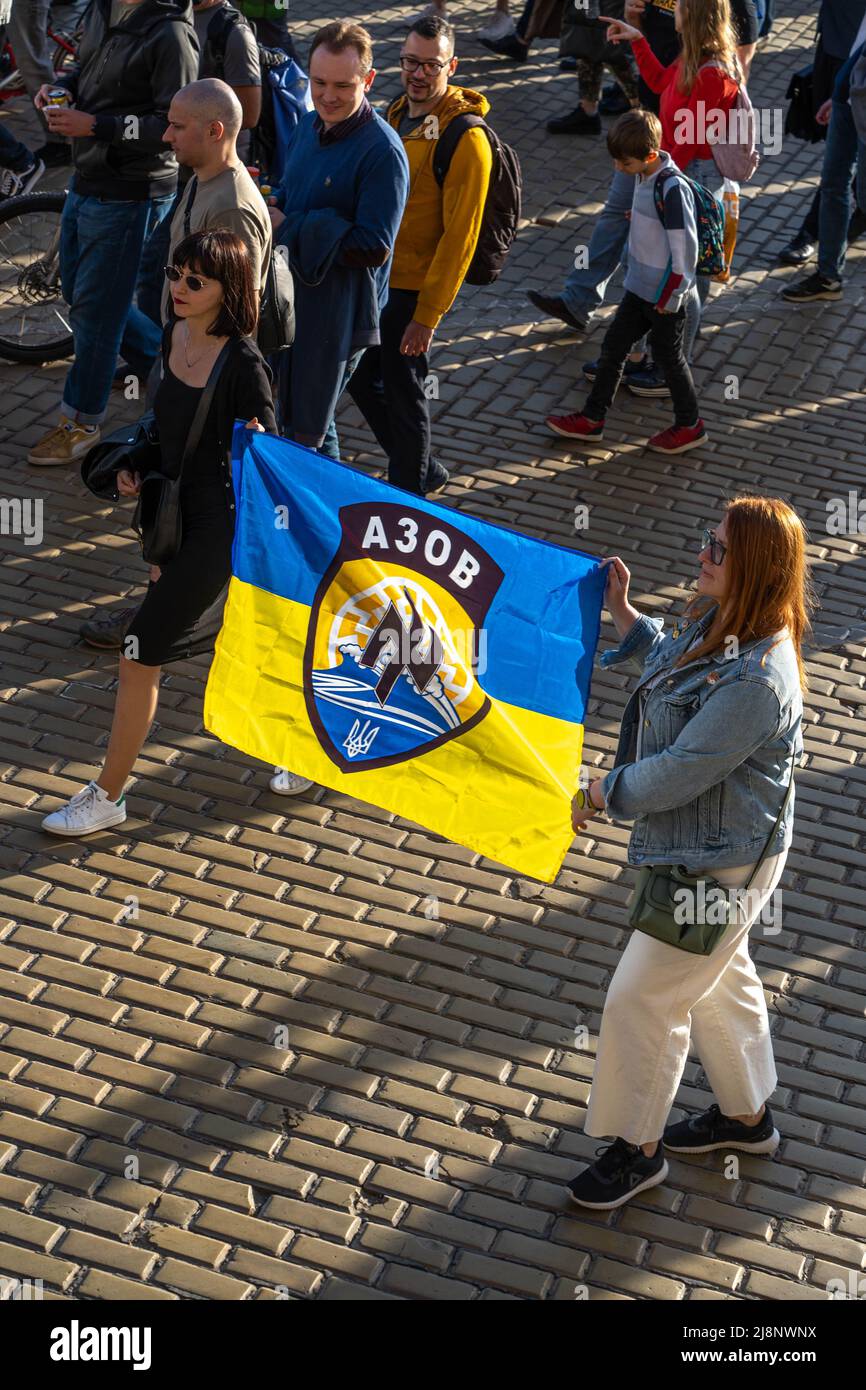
[(194, 282)]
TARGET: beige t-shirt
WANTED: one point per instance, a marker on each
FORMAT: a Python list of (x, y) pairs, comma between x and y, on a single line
[(232, 203)]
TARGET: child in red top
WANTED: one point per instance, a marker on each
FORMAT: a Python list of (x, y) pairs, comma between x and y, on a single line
[(703, 80), (713, 90)]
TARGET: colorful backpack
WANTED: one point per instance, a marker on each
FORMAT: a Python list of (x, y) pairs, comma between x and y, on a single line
[(709, 215)]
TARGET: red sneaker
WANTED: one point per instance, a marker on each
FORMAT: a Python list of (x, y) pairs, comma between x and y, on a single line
[(576, 426), (678, 439)]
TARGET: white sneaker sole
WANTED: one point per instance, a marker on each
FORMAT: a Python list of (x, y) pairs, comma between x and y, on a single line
[(627, 1196), (766, 1146), (38, 462), (578, 438), (85, 830), (291, 791)]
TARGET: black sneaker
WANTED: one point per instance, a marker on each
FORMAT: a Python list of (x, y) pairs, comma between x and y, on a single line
[(619, 1174), (815, 286), (13, 185), (713, 1130), (509, 47), (799, 251), (437, 477), (107, 630), (614, 101), (575, 123), (556, 308), (55, 154)]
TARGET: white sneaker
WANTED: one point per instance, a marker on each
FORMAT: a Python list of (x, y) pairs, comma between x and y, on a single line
[(286, 783), (89, 810), (427, 12), (500, 26)]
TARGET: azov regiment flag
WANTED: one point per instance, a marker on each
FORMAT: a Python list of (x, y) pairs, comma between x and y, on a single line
[(405, 653)]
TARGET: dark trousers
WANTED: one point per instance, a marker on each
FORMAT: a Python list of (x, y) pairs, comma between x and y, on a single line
[(389, 390), (632, 320), (825, 70)]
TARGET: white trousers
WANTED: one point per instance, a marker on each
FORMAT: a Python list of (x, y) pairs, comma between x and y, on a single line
[(659, 999)]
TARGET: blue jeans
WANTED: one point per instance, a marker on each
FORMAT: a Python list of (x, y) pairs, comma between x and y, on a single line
[(100, 252), (151, 273), (834, 211), (584, 289)]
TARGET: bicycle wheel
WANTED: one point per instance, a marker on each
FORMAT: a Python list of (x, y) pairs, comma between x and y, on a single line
[(34, 318)]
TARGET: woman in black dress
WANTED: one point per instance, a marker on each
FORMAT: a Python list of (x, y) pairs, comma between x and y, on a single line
[(215, 301)]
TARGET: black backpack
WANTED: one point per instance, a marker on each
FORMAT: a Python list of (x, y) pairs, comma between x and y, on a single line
[(502, 206), (217, 37)]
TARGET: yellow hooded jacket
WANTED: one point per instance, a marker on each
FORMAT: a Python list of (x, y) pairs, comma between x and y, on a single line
[(440, 226)]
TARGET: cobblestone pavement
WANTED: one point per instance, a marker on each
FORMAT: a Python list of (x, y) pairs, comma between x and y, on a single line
[(412, 1137)]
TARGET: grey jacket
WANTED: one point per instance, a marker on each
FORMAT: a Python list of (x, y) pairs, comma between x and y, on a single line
[(717, 740)]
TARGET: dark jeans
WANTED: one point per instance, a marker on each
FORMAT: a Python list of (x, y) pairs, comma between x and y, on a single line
[(101, 243), (632, 320), (330, 443), (836, 225), (824, 73), (389, 390), (154, 259)]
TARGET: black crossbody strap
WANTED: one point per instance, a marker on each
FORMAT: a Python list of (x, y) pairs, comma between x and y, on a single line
[(187, 207), (203, 407), (772, 835)]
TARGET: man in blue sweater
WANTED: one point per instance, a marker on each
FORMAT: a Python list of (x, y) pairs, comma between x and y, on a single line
[(662, 263), (338, 212)]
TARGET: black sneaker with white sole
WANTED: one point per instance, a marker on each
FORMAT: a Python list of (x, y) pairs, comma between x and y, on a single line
[(816, 286), (703, 1133), (619, 1173)]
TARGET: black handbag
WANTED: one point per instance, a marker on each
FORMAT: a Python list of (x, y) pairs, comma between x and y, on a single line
[(276, 330), (135, 447), (157, 519), (800, 118)]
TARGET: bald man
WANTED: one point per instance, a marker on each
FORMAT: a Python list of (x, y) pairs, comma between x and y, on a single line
[(204, 120)]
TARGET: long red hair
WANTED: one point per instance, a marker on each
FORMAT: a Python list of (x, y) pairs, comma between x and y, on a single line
[(768, 587)]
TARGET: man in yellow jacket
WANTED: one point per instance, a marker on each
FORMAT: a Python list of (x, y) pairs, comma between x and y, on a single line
[(433, 250)]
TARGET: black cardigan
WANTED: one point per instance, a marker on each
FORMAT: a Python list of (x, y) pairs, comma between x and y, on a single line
[(243, 391)]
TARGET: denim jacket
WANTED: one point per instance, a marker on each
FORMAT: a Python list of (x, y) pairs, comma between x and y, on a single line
[(717, 741)]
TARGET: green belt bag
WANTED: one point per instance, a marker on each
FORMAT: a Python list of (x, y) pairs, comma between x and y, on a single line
[(662, 890)]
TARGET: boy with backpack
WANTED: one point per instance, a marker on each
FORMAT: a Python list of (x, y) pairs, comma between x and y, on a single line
[(664, 250), (435, 247)]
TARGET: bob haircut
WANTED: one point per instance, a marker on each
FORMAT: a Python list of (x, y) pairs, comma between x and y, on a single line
[(223, 256)]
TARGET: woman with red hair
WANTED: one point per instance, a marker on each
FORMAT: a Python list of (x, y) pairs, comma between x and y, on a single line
[(703, 772)]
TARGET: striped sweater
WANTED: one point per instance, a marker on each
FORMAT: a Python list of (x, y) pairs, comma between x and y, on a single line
[(662, 256)]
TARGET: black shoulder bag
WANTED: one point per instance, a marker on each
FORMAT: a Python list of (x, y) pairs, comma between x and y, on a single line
[(157, 518)]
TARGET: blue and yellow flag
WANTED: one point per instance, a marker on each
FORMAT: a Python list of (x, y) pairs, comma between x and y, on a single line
[(406, 654)]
